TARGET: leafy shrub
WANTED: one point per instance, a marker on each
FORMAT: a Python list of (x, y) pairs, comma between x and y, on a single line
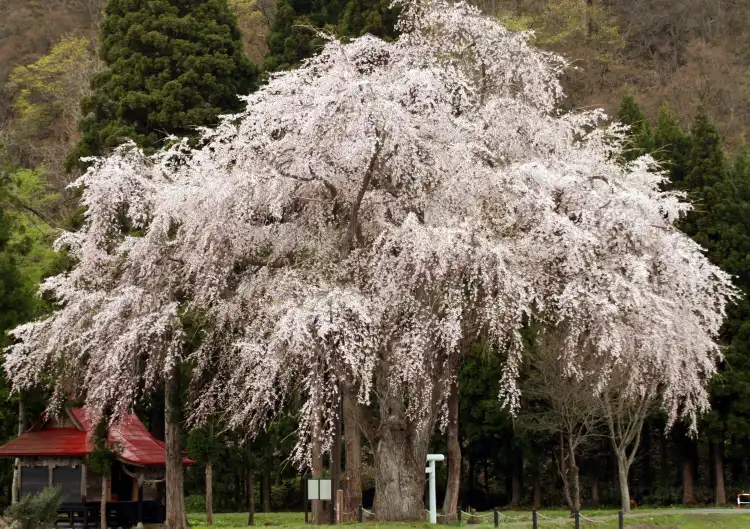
[(195, 503), (35, 511)]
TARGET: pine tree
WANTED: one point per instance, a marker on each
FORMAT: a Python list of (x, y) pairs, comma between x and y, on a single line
[(672, 145), (292, 38), (642, 140), (171, 66)]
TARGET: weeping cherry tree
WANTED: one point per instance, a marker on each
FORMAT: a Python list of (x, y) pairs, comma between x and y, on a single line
[(365, 217)]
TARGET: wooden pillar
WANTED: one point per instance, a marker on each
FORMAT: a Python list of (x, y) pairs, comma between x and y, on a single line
[(50, 473), (140, 505), (83, 483)]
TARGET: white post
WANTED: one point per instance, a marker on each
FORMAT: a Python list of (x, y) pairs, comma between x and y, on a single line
[(431, 458)]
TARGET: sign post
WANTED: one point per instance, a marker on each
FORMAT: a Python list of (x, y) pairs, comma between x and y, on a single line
[(431, 458), (318, 490)]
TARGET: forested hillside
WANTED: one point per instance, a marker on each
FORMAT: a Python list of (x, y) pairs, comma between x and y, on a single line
[(78, 77)]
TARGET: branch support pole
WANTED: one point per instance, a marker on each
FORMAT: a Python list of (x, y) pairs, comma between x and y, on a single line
[(430, 470)]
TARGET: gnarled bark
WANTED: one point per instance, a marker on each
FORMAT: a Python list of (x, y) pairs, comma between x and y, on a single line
[(400, 458)]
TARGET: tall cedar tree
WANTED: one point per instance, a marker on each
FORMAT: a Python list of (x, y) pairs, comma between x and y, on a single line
[(672, 145), (641, 139), (292, 38), (171, 66)]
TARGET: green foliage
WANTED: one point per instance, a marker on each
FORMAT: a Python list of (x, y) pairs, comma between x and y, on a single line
[(641, 139), (566, 22), (195, 503), (291, 37), (203, 446), (51, 87), (171, 66), (720, 222), (35, 511), (102, 457)]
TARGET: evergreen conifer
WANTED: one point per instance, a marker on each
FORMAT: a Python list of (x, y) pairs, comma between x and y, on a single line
[(171, 66)]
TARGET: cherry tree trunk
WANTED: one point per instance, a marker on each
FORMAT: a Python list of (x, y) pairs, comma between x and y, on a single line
[(565, 475), (622, 475), (450, 504), (209, 492), (720, 493), (353, 442), (175, 496), (575, 477), (400, 459)]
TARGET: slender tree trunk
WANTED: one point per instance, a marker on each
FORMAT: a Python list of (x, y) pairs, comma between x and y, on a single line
[(622, 474), (103, 504), (663, 459), (574, 477), (399, 474), (210, 480), (472, 479), (564, 474), (250, 498), (595, 500), (720, 494), (537, 492), (266, 484), (335, 467), (175, 494), (688, 496), (16, 485), (317, 470), (352, 440), (209, 492), (647, 461), (517, 480), (450, 503), (487, 480)]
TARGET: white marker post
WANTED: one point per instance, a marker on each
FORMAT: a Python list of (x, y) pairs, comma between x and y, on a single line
[(431, 458)]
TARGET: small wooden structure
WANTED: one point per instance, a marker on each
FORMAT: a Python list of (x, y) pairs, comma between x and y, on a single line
[(53, 452)]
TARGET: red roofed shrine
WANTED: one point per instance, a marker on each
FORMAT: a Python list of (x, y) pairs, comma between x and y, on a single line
[(53, 452)]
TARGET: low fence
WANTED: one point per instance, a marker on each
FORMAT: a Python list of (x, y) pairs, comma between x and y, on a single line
[(496, 517)]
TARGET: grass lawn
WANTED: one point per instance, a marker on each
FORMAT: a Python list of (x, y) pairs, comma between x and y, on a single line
[(604, 519)]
